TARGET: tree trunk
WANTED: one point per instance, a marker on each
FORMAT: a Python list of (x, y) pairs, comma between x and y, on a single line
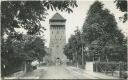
[(106, 58), (83, 63)]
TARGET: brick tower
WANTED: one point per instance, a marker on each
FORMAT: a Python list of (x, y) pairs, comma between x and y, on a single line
[(57, 37)]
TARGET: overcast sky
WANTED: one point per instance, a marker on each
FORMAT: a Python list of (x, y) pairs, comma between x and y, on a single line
[(78, 17)]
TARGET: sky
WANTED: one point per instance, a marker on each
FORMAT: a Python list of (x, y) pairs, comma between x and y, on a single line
[(77, 18)]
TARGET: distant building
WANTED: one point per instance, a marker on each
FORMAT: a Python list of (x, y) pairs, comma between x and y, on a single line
[(57, 37)]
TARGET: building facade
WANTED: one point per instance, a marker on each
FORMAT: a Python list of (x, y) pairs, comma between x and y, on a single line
[(57, 37)]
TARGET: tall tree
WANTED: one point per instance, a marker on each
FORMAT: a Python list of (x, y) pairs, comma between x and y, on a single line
[(70, 48), (73, 50), (16, 51), (101, 29)]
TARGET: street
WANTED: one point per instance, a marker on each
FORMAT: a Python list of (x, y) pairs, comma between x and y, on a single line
[(57, 72), (51, 72), (63, 72)]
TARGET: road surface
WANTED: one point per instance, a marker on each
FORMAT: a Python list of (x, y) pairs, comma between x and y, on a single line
[(64, 72)]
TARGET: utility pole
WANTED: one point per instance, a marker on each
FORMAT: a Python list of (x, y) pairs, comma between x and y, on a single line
[(76, 56), (83, 65), (73, 61), (82, 46)]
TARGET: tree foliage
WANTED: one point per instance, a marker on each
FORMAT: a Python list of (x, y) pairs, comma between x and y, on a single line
[(14, 50), (73, 50), (101, 30), (122, 6), (28, 14)]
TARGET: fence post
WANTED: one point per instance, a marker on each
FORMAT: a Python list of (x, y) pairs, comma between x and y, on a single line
[(96, 66), (93, 67), (25, 67), (106, 65), (120, 74), (113, 64)]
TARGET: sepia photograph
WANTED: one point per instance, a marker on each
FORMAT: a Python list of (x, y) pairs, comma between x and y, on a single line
[(64, 39)]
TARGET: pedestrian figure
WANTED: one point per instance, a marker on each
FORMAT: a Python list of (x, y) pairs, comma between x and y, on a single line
[(58, 61)]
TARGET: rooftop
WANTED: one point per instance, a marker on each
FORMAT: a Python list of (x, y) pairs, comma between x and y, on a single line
[(57, 16)]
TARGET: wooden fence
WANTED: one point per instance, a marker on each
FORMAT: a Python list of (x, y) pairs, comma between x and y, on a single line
[(111, 68)]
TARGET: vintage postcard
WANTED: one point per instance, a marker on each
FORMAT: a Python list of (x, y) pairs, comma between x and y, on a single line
[(64, 39)]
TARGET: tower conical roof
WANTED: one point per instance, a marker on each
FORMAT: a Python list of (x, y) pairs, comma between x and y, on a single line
[(57, 16)]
